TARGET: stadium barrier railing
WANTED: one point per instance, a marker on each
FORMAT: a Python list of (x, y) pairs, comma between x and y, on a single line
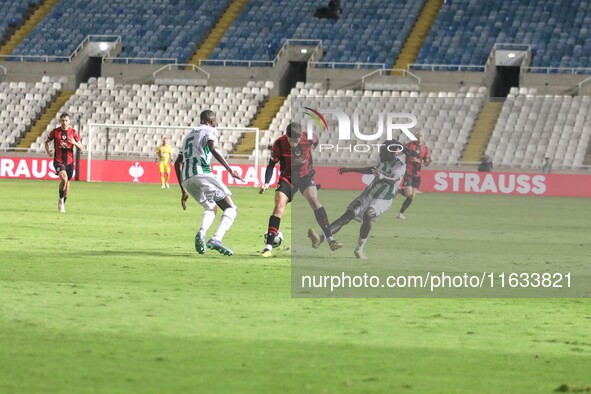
[(582, 84), (385, 86), (446, 67), (115, 39), (346, 65), (141, 60), (556, 70), (263, 63), (236, 63), (192, 67)]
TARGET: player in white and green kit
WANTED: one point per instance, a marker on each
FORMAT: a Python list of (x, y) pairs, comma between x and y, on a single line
[(375, 200), (193, 169)]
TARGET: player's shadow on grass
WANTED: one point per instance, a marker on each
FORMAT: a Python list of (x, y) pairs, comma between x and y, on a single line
[(138, 253), (219, 258)]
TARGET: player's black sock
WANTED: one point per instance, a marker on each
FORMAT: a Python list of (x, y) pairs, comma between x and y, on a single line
[(65, 199), (405, 204), (336, 226), (366, 225), (274, 223), (322, 219), (62, 192)]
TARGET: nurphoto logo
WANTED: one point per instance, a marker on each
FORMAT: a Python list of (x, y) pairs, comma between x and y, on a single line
[(348, 128)]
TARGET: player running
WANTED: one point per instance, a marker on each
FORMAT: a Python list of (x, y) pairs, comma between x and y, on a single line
[(416, 153), (293, 151), (163, 158), (374, 201), (64, 139), (193, 169)]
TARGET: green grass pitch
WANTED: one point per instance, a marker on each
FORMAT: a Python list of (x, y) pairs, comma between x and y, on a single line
[(112, 298)]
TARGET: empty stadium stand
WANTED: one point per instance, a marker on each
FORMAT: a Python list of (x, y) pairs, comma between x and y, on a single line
[(368, 31), (532, 127), (12, 16), (149, 29), (21, 104), (465, 31), (446, 117), (102, 101), (460, 120)]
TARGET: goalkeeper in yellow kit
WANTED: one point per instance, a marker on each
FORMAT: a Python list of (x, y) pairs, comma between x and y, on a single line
[(164, 158)]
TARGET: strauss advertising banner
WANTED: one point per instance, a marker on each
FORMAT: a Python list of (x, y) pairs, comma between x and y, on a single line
[(437, 181)]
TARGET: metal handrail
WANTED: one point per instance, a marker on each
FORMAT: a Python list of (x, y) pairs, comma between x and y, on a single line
[(548, 70), (505, 46), (150, 60), (435, 66), (474, 67), (88, 39), (291, 42), (169, 67), (315, 53), (584, 82), (270, 63), (76, 51), (108, 54), (355, 65), (45, 58), (235, 62), (405, 72)]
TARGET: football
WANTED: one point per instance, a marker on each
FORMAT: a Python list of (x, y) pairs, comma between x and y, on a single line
[(278, 239)]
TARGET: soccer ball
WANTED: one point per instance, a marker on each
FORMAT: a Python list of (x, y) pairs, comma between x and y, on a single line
[(278, 239)]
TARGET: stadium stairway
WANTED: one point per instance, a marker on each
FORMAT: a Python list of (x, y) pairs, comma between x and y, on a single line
[(41, 124), (12, 28), (262, 122), (218, 31), (483, 130), (19, 35), (417, 35)]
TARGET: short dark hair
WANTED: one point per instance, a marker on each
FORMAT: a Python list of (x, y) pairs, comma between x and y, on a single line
[(294, 130), (387, 154), (64, 114), (206, 116)]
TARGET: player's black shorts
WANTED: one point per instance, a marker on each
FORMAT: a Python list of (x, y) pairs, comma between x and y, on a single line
[(59, 167), (413, 181), (301, 184)]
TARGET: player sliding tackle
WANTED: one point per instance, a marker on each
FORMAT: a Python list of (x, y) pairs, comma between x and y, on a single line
[(374, 201), (293, 151)]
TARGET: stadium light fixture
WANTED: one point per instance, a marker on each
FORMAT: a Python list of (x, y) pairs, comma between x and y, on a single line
[(304, 50), (103, 46), (511, 55)]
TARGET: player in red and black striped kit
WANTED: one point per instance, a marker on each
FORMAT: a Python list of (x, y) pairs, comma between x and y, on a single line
[(293, 151), (64, 139), (417, 154)]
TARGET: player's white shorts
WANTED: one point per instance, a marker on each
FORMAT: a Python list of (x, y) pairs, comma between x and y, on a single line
[(206, 189), (365, 201)]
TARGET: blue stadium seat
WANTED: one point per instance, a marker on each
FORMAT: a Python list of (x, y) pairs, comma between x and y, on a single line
[(170, 29), (557, 29), (371, 36), (12, 13)]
